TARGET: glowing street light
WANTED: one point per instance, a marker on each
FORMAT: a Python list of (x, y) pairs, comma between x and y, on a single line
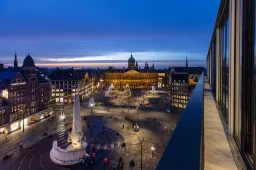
[(136, 127), (91, 103), (152, 149)]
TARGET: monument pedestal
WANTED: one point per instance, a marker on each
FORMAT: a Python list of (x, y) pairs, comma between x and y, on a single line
[(69, 156)]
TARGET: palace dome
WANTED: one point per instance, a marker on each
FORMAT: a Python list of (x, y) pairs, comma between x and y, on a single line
[(28, 62), (131, 58)]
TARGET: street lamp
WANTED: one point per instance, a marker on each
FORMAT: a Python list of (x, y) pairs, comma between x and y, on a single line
[(22, 111), (5, 133), (91, 103), (137, 111), (152, 149)]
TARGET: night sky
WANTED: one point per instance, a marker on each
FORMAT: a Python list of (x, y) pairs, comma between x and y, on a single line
[(93, 32)]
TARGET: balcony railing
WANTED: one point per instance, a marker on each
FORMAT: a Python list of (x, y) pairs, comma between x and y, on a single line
[(186, 146)]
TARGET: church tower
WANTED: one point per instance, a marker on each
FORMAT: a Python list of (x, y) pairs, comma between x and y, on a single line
[(153, 66), (15, 63), (186, 64)]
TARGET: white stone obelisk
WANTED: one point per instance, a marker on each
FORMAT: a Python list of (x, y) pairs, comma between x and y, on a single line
[(77, 133)]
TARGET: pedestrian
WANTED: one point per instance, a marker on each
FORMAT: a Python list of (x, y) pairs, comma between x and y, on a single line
[(123, 126)]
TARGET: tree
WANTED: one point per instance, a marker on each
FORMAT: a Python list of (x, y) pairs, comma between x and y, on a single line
[(142, 147), (127, 91)]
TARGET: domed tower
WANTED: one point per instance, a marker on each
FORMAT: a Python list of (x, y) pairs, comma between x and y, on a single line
[(29, 71), (131, 63), (29, 67)]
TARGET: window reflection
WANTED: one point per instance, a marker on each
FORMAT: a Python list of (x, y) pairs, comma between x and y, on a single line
[(225, 38)]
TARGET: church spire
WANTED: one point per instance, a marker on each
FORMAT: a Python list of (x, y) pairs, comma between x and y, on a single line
[(186, 63), (15, 63)]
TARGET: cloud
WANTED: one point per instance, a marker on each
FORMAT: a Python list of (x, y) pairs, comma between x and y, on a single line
[(142, 56)]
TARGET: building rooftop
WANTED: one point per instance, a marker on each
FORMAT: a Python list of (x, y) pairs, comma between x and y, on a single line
[(191, 70), (110, 70), (131, 58), (67, 74), (180, 76), (7, 75)]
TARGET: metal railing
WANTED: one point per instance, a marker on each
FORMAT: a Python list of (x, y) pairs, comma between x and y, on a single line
[(185, 149)]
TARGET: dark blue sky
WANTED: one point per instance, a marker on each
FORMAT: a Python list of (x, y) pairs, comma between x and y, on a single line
[(82, 31)]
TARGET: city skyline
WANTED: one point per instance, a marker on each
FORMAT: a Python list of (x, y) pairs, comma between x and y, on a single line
[(159, 64), (151, 31)]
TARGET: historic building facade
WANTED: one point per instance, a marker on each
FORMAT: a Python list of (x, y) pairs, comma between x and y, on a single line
[(182, 81), (179, 90), (135, 77), (25, 94), (66, 83)]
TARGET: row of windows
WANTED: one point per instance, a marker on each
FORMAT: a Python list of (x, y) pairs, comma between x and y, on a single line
[(58, 94), (136, 76), (179, 101), (17, 94), (64, 82), (180, 81), (179, 84), (179, 97), (179, 105)]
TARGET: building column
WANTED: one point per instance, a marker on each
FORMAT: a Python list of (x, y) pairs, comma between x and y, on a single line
[(238, 73), (232, 15), (210, 67), (218, 64)]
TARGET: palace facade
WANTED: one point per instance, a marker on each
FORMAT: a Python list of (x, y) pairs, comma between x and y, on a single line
[(134, 76)]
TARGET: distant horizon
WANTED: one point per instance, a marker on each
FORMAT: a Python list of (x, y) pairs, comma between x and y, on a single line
[(158, 64)]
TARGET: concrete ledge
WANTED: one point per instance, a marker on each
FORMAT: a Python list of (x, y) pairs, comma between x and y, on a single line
[(217, 153)]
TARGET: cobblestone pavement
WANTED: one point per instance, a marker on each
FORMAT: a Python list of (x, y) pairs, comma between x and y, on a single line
[(104, 143), (156, 126)]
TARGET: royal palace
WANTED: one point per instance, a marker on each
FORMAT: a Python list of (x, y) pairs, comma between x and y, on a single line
[(134, 76)]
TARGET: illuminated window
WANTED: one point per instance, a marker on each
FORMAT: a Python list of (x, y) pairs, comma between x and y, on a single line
[(5, 94), (61, 100)]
